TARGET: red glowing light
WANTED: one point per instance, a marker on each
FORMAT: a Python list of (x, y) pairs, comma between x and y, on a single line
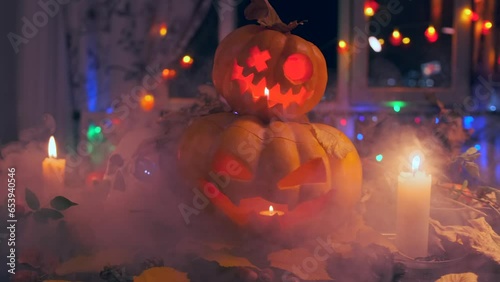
[(298, 68), (258, 59), (371, 7), (418, 120), (343, 122), (431, 34), (475, 17), (395, 38)]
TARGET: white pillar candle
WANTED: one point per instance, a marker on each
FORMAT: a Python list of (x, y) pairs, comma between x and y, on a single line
[(53, 171), (413, 211)]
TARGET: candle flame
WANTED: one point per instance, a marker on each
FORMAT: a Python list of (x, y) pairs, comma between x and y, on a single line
[(415, 164), (266, 92), (271, 209), (52, 148)]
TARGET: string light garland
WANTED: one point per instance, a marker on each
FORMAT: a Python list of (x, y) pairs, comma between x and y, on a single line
[(370, 8), (395, 38), (342, 46), (147, 102), (431, 34), (187, 61), (163, 30)]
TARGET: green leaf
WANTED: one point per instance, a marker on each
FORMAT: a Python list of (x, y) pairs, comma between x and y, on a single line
[(61, 203), (31, 199), (44, 214), (472, 169)]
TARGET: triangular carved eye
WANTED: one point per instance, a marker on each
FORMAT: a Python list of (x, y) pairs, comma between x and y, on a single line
[(231, 166), (311, 172)]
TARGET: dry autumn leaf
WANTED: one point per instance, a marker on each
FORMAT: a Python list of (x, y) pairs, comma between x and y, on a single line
[(225, 259), (157, 274), (293, 261), (356, 231), (480, 236), (459, 277), (94, 263)]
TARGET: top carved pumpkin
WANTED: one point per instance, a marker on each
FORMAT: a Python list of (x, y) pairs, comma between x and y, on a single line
[(265, 70)]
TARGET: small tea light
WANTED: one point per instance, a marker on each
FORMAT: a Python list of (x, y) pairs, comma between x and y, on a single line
[(271, 212)]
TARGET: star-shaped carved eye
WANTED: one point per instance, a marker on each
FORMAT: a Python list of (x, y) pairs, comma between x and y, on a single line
[(258, 59)]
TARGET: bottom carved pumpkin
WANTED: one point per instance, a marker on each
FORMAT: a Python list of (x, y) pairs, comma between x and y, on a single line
[(309, 173)]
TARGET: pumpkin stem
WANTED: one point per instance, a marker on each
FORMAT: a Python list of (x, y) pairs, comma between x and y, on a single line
[(265, 15)]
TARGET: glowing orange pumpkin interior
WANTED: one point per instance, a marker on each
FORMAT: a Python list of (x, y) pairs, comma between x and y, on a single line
[(297, 68)]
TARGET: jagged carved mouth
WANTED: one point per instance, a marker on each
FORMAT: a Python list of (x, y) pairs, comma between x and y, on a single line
[(252, 79)]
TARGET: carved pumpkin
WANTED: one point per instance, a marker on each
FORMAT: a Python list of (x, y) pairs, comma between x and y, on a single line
[(267, 71), (244, 166)]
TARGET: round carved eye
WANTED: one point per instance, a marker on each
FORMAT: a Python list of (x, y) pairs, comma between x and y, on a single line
[(298, 68)]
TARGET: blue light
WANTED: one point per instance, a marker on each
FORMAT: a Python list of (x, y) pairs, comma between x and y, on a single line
[(468, 120), (91, 87), (109, 110), (361, 118), (437, 120), (379, 157), (493, 108), (477, 146), (360, 136)]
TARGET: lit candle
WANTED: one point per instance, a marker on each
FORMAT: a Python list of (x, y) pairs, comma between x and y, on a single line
[(53, 169), (271, 212), (266, 92), (413, 208)]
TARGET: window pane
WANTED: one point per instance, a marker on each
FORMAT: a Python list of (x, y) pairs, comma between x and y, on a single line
[(202, 49), (321, 28), (419, 62)]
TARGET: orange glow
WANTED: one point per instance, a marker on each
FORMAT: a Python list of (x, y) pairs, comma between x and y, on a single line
[(431, 34), (298, 68), (271, 209), (52, 148), (406, 40), (469, 15), (186, 61), (396, 34), (147, 102), (168, 73), (382, 41), (165, 73), (163, 30)]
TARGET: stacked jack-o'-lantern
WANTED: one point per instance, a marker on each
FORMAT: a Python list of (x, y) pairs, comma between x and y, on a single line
[(265, 153)]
